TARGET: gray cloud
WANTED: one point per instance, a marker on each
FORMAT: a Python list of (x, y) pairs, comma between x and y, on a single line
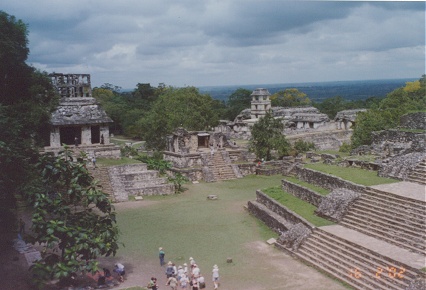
[(192, 42)]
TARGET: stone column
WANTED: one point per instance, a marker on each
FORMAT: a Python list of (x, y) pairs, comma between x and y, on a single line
[(86, 135), (104, 131), (55, 137)]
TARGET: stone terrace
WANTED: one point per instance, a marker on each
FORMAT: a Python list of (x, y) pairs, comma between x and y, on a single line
[(378, 244)]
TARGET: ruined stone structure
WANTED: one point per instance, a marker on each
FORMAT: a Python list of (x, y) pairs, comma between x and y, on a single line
[(79, 120), (260, 103), (201, 155), (324, 133), (346, 119)]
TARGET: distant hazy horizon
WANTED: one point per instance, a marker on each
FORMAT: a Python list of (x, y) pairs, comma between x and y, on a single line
[(317, 91)]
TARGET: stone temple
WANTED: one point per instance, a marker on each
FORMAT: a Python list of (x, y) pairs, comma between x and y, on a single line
[(79, 120)]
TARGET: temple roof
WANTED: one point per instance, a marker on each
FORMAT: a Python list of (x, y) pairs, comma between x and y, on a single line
[(79, 111)]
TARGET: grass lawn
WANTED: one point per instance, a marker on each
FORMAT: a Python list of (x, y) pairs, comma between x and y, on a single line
[(301, 207), (189, 225), (315, 188), (355, 175)]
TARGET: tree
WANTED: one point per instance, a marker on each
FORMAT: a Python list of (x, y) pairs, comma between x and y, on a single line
[(237, 101), (73, 219), (267, 136), (412, 97), (290, 98), (26, 101), (176, 107)]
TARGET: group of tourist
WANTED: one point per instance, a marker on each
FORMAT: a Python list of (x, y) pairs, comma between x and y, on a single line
[(186, 278)]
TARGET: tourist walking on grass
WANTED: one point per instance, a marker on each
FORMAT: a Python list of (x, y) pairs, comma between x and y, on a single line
[(172, 282), (180, 272), (201, 282), (184, 281), (169, 270), (195, 271), (161, 255), (94, 161), (215, 276), (153, 284), (195, 284)]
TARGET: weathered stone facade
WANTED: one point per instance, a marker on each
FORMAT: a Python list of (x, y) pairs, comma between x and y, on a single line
[(346, 119), (79, 120), (302, 192), (335, 205), (325, 180), (414, 121)]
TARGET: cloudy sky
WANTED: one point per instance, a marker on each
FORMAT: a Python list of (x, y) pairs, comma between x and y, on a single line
[(224, 42)]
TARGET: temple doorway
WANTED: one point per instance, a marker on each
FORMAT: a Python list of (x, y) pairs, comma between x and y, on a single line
[(95, 131), (68, 135)]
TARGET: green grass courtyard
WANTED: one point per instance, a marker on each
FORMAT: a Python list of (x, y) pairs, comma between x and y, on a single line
[(189, 225)]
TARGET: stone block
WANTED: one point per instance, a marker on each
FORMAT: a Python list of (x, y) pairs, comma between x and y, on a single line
[(271, 241)]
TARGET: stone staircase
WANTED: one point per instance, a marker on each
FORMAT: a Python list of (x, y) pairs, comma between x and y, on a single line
[(395, 219), (359, 260), (418, 175), (101, 175), (136, 179), (221, 169), (379, 243)]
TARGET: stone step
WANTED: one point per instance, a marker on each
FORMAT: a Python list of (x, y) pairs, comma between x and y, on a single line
[(386, 221), (354, 268), (162, 189), (343, 253), (392, 233), (100, 174), (391, 214), (137, 176), (355, 251), (334, 271), (393, 200), (145, 183), (388, 195), (382, 236), (417, 180)]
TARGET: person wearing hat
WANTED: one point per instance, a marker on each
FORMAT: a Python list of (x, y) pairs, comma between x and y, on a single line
[(172, 282), (180, 272), (161, 255), (119, 269), (185, 268), (215, 276), (184, 281), (169, 270), (195, 271)]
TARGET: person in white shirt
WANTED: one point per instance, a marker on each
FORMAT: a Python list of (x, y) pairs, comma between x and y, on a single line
[(215, 276)]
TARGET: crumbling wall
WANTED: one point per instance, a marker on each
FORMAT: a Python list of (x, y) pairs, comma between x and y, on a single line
[(335, 205), (414, 121), (325, 180), (302, 192)]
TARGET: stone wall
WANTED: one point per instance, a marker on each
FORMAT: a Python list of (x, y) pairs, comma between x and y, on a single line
[(290, 216), (325, 180), (302, 192), (396, 142), (323, 140), (414, 121), (247, 168), (193, 174), (183, 160)]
